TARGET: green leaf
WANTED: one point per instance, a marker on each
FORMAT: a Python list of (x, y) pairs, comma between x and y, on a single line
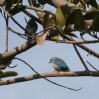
[(4, 64), (10, 3), (17, 9), (8, 74), (42, 2), (41, 14), (90, 15), (60, 18), (78, 19), (95, 24), (76, 1)]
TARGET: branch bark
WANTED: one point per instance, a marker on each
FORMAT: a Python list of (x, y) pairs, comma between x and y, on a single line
[(18, 50), (76, 42), (82, 46), (49, 74), (29, 44)]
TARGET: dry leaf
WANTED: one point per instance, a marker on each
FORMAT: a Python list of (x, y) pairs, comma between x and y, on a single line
[(1, 2), (40, 39)]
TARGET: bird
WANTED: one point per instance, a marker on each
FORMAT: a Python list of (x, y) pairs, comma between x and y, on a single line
[(30, 29), (59, 64)]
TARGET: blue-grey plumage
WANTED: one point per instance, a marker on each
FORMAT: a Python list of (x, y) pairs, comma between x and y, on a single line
[(59, 64)]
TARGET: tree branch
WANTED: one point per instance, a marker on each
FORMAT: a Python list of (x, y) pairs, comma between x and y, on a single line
[(92, 66), (7, 30), (29, 44), (17, 33), (49, 74), (31, 16), (76, 42), (18, 50), (39, 9), (82, 46), (80, 57), (69, 7), (46, 78)]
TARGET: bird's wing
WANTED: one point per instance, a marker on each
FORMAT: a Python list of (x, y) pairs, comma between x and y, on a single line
[(61, 63)]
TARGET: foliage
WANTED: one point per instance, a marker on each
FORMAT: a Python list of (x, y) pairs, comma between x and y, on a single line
[(69, 16)]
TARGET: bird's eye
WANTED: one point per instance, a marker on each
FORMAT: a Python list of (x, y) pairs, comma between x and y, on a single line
[(50, 60)]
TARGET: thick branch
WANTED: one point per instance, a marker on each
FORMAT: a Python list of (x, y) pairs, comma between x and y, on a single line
[(18, 50), (82, 46), (49, 74), (29, 44)]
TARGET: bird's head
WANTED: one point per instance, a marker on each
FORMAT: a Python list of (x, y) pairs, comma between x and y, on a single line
[(53, 59)]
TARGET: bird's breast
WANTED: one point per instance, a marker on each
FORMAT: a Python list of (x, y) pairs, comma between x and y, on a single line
[(56, 67)]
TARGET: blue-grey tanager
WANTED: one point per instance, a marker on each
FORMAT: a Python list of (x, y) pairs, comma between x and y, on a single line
[(59, 64)]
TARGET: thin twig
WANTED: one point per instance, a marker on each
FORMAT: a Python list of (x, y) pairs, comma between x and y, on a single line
[(31, 16), (7, 30), (8, 14), (81, 46), (92, 66), (76, 42), (19, 34), (39, 9), (80, 57), (44, 77), (16, 32), (17, 23)]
